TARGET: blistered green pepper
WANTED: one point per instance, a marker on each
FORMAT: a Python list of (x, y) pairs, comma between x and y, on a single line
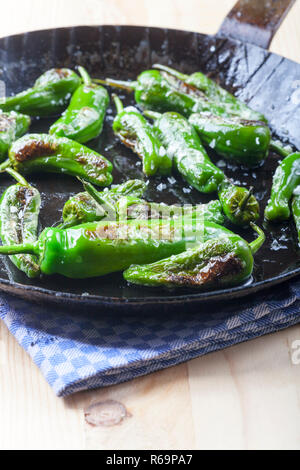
[(191, 160), (83, 120), (136, 133), (83, 208), (186, 150), (285, 181), (19, 212), (12, 126), (246, 142), (143, 210), (49, 154), (220, 262), (124, 203), (49, 96), (100, 248), (159, 91), (239, 204), (215, 93)]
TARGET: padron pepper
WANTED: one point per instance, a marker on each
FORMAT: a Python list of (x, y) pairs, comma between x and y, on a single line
[(192, 162), (83, 207), (100, 248), (12, 126), (19, 212), (159, 91), (49, 96), (124, 203), (238, 203), (144, 210), (135, 132), (285, 181), (246, 142), (83, 119), (220, 262), (49, 154), (184, 147), (214, 93)]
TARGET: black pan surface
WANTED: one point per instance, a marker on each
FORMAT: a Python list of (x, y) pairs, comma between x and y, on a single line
[(268, 82)]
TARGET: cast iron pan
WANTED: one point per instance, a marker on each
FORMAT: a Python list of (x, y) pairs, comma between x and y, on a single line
[(264, 80)]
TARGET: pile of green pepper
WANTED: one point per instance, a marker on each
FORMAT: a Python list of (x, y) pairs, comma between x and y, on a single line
[(117, 229)]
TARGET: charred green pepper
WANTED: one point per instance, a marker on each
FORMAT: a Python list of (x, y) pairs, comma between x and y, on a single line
[(49, 96), (239, 204), (124, 203), (220, 262), (186, 150), (191, 160), (136, 133), (214, 93), (84, 118), (285, 181), (12, 126), (19, 211), (45, 153), (159, 91), (246, 142), (100, 248)]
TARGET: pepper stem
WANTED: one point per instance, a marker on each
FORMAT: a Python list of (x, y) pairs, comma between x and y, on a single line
[(152, 114), (19, 178), (244, 201), (84, 75), (68, 223), (277, 147), (175, 73), (118, 103), (5, 165), (257, 244), (28, 248), (97, 197), (129, 86)]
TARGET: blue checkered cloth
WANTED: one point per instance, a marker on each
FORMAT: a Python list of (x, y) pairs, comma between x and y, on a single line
[(85, 351)]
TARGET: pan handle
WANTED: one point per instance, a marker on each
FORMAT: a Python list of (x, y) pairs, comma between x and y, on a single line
[(255, 21)]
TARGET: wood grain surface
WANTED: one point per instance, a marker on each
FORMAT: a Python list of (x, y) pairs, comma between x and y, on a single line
[(246, 397)]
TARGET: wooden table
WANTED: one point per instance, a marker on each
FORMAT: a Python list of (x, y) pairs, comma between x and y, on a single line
[(246, 397)]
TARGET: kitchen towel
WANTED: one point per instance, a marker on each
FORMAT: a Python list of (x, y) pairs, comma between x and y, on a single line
[(80, 351)]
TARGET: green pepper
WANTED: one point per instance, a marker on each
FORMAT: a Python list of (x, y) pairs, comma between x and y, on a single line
[(285, 181), (186, 150), (84, 118), (83, 208), (124, 203), (49, 96), (191, 160), (100, 248), (12, 126), (220, 262), (159, 91), (296, 212), (215, 93), (143, 210), (45, 153), (246, 142), (19, 211), (136, 133), (239, 204)]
